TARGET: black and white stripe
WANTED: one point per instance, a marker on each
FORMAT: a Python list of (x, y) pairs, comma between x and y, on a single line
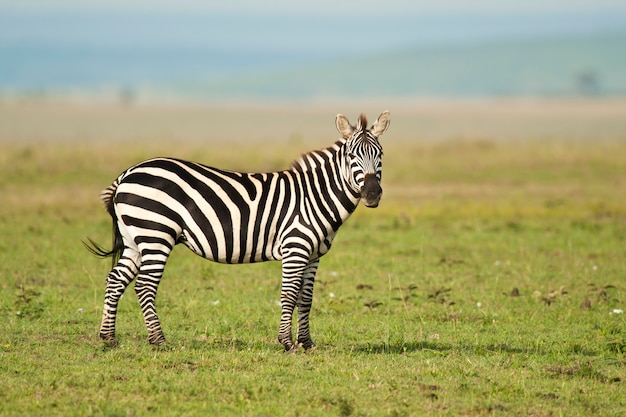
[(235, 217)]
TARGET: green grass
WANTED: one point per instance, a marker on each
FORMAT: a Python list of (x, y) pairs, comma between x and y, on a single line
[(460, 295)]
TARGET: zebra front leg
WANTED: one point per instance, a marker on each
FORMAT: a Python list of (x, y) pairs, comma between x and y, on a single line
[(116, 283), (293, 269), (305, 299), (146, 289)]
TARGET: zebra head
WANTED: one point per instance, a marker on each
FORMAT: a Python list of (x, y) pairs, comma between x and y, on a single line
[(363, 166)]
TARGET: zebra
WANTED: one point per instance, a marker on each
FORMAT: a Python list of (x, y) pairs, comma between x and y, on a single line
[(236, 217)]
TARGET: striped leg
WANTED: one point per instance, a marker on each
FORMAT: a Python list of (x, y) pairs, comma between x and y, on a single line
[(305, 299), (293, 270), (148, 279), (116, 283)]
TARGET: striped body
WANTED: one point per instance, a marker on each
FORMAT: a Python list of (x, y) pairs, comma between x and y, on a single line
[(233, 217)]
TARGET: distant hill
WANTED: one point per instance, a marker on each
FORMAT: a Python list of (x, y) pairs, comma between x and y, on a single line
[(563, 66)]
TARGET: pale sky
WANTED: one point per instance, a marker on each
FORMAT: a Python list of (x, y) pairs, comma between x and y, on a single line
[(338, 7), (76, 21), (84, 42)]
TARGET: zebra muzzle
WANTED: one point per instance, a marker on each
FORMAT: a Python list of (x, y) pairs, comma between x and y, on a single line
[(371, 192)]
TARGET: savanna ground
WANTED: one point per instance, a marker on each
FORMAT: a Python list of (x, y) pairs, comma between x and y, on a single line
[(490, 281)]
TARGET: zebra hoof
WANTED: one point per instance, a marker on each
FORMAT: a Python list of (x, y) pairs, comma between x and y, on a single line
[(291, 348), (307, 345), (157, 339), (109, 341), (107, 336)]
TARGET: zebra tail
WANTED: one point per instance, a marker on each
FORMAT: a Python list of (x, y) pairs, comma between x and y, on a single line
[(118, 244)]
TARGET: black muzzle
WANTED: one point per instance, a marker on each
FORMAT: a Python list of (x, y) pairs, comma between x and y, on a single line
[(371, 192)]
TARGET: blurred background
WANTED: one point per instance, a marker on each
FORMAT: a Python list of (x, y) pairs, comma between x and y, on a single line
[(248, 50)]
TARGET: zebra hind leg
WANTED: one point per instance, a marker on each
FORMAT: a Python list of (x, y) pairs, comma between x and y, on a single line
[(116, 283), (305, 299), (146, 286)]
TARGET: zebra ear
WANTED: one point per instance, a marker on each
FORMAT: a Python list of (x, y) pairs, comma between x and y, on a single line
[(344, 127), (381, 124)]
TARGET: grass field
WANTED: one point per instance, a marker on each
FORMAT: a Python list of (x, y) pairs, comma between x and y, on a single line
[(490, 281)]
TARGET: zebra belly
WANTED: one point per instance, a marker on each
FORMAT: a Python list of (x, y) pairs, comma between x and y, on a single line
[(242, 256)]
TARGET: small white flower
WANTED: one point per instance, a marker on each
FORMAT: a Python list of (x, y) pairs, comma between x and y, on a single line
[(81, 310), (479, 304), (333, 273), (617, 311), (595, 267), (214, 303), (331, 295), (497, 263)]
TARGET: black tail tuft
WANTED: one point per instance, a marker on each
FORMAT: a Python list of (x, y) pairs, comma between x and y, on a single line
[(118, 244), (101, 252), (98, 250)]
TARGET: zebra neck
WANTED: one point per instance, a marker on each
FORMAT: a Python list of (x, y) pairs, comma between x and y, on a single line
[(328, 183)]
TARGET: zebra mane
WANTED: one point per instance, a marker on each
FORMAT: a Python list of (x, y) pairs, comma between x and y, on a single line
[(300, 164), (303, 162), (361, 124)]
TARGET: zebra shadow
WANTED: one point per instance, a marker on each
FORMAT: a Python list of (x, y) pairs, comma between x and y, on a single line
[(395, 348), (231, 344), (434, 347)]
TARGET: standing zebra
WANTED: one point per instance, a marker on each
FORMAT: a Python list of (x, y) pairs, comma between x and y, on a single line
[(234, 217)]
